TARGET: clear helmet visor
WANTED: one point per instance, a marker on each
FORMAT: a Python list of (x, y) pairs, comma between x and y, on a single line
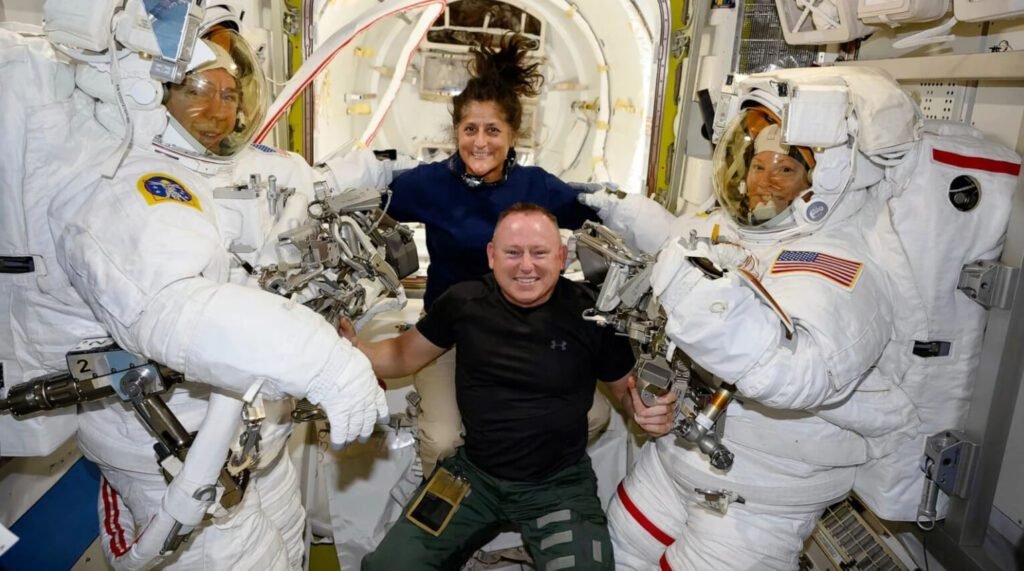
[(221, 103), (757, 177)]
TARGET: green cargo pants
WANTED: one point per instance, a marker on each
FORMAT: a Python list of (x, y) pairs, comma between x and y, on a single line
[(561, 521)]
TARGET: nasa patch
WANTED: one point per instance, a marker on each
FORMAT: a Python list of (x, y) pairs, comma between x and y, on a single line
[(159, 187), (816, 211)]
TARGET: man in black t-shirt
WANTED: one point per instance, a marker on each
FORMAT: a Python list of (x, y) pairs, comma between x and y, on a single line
[(525, 377)]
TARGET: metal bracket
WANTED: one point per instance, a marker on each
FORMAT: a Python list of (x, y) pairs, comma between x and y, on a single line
[(948, 465), (718, 500), (951, 457), (989, 283), (680, 44)]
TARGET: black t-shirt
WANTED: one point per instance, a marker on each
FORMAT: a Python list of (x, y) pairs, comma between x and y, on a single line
[(524, 377)]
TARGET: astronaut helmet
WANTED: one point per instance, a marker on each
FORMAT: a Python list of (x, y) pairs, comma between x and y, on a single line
[(767, 185), (792, 148), (174, 76), (220, 104)]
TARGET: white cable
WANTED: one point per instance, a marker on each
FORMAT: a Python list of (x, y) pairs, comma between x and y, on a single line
[(91, 57), (326, 53), (113, 163), (427, 18), (936, 35), (604, 90)]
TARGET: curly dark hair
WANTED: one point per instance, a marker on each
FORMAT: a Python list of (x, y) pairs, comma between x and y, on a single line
[(501, 75)]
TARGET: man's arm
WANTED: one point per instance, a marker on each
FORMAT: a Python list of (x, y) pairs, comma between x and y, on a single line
[(397, 356), (656, 420)]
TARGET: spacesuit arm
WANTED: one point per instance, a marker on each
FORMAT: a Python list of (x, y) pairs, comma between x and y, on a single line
[(359, 167), (729, 331), (642, 222), (152, 274)]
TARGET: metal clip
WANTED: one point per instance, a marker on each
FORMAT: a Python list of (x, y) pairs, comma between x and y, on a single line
[(253, 414), (413, 400), (719, 499), (277, 198)]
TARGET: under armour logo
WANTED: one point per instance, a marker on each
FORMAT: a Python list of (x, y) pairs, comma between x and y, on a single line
[(563, 345)]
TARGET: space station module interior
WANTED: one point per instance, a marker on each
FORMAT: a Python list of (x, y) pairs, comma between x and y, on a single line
[(810, 229)]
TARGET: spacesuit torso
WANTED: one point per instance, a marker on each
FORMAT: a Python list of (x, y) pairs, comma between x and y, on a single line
[(226, 221), (946, 206), (41, 315), (842, 308)]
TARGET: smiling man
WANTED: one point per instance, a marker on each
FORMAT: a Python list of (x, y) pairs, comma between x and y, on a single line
[(526, 369), (526, 255)]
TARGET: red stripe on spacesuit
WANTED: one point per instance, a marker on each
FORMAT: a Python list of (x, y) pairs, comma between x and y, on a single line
[(976, 163), (663, 563), (648, 525), (112, 521)]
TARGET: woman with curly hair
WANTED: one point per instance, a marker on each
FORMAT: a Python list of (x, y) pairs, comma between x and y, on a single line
[(459, 200)]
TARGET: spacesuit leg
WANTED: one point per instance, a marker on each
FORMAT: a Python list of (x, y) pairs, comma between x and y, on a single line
[(745, 538), (646, 515), (278, 488), (117, 525), (245, 539), (439, 424)]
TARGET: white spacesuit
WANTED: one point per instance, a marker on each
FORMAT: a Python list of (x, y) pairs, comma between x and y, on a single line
[(831, 407), (156, 257)]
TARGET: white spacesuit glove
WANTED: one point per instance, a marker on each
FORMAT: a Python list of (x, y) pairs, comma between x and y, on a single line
[(674, 276), (348, 392), (602, 200), (400, 164), (730, 257), (642, 222), (359, 168), (719, 323), (679, 255)]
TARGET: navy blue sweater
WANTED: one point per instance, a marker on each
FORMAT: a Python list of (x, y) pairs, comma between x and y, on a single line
[(460, 220)]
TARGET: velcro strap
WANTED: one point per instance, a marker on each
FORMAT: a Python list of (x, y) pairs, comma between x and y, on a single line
[(17, 265)]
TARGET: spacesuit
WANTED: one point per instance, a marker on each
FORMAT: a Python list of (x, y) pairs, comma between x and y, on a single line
[(156, 255), (819, 346)]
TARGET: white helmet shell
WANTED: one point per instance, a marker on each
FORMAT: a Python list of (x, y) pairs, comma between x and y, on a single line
[(216, 110), (795, 145)]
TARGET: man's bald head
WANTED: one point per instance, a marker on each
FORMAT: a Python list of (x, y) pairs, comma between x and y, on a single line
[(526, 254)]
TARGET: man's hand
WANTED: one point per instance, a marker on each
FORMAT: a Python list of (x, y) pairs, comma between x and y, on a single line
[(658, 419), (347, 329)]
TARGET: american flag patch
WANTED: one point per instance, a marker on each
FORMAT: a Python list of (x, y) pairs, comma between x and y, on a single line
[(838, 270), (268, 149)]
